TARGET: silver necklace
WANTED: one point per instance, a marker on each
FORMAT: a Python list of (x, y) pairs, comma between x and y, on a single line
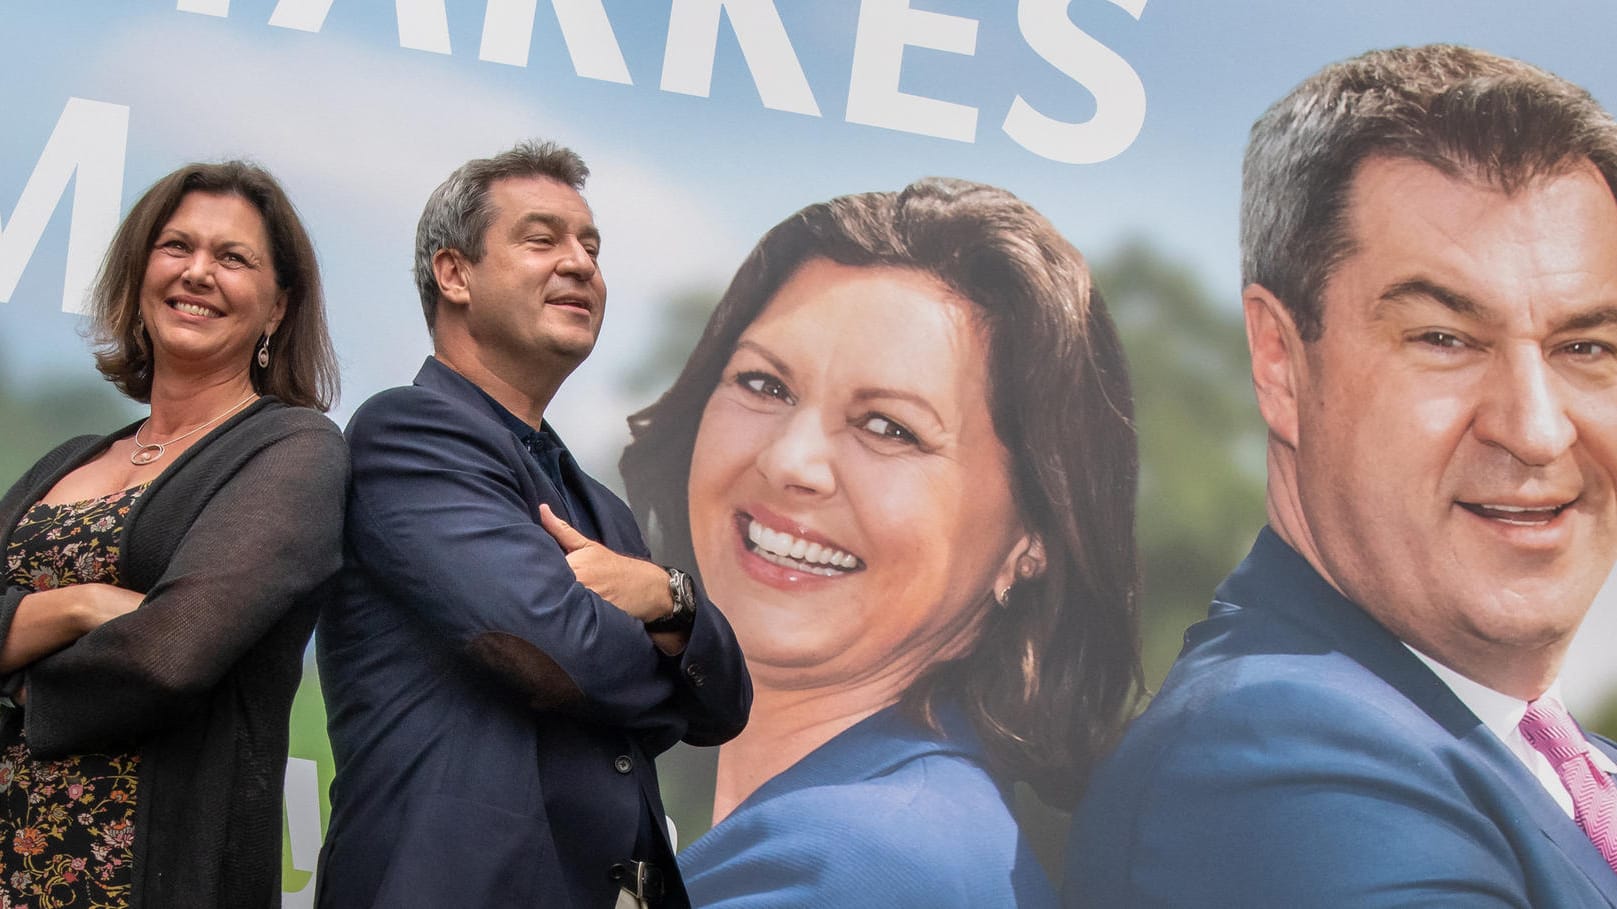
[(147, 452)]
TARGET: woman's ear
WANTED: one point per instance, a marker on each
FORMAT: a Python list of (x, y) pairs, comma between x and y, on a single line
[(1030, 562), (1024, 562)]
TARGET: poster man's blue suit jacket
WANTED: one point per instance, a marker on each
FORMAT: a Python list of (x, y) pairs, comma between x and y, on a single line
[(1299, 755), (493, 721)]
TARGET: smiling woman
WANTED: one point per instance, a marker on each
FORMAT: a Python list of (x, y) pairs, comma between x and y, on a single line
[(160, 583), (253, 235), (902, 458), (211, 242), (847, 485)]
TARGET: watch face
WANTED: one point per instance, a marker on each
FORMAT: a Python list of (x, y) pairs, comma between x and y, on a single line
[(684, 591)]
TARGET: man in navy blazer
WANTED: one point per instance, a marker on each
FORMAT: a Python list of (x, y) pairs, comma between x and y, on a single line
[(503, 662), (1429, 242)]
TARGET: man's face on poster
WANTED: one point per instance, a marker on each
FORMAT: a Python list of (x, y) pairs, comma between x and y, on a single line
[(1457, 416)]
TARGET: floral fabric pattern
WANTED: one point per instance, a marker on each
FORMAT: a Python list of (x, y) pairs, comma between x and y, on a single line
[(67, 826)]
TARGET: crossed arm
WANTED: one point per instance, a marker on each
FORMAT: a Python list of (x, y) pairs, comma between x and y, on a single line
[(263, 540), (440, 519), (48, 620), (635, 586)]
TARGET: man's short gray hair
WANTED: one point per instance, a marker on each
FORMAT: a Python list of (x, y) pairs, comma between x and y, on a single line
[(1465, 112), (458, 212)]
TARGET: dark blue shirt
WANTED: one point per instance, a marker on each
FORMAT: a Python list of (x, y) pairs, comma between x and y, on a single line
[(547, 450)]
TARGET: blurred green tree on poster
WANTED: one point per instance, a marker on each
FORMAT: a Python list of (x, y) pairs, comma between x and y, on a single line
[(683, 318), (1201, 439), (1605, 721), (40, 412)]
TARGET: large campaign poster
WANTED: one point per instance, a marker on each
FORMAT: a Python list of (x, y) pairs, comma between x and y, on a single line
[(705, 123)]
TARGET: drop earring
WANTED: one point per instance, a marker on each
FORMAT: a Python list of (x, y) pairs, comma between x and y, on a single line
[(263, 354)]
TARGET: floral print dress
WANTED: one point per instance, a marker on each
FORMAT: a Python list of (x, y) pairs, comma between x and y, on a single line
[(67, 825)]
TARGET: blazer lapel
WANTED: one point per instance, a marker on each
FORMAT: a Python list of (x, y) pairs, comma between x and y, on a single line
[(586, 496), (435, 375), (1290, 586), (1542, 810), (439, 377), (1409, 675), (1571, 839)]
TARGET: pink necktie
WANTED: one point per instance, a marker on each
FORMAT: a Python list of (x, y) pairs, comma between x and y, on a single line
[(1550, 730)]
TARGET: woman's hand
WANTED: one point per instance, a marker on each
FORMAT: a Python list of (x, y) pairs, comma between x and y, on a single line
[(97, 604), (48, 620)]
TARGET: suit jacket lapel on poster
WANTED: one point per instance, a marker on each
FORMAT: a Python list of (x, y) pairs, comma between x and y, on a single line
[(1300, 595), (1567, 835)]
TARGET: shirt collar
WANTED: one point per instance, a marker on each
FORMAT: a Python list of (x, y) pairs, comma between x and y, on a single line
[(509, 420), (1500, 712)]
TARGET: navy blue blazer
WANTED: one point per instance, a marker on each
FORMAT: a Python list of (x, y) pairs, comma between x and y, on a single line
[(493, 721), (1300, 755)]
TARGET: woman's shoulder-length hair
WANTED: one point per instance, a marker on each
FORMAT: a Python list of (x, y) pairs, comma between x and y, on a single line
[(303, 366), (1055, 672)]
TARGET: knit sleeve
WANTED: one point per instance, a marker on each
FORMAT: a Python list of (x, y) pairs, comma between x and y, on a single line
[(29, 487)]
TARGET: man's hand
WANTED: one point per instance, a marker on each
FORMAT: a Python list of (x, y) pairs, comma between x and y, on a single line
[(635, 586)]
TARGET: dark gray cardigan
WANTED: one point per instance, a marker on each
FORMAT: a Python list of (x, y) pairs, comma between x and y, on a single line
[(232, 546)]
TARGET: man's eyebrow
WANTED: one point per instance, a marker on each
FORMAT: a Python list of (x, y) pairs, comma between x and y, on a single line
[(1599, 317), (1459, 303), (1447, 297), (558, 224)]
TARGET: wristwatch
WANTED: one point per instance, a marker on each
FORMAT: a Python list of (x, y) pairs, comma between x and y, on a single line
[(683, 591)]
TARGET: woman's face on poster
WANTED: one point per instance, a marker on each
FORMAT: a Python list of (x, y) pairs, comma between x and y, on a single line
[(850, 502)]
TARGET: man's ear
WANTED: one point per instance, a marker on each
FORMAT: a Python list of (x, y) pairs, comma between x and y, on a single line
[(451, 269), (1277, 358)]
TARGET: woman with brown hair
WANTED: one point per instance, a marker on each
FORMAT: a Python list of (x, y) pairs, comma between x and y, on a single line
[(161, 582), (902, 458)]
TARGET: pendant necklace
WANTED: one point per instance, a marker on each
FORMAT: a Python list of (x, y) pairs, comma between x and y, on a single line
[(147, 452)]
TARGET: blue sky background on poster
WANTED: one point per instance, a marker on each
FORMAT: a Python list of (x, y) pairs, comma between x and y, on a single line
[(356, 56), (884, 30), (360, 126)]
